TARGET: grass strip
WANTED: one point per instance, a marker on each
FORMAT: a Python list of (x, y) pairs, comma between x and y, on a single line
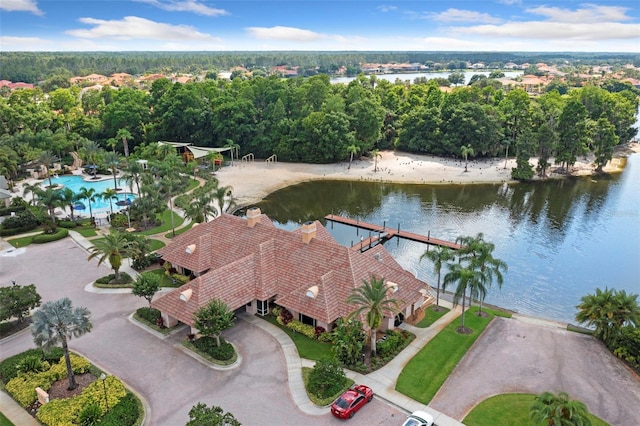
[(431, 316), (165, 217), (307, 348), (509, 409), (428, 369)]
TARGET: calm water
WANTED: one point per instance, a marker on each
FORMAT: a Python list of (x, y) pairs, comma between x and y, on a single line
[(561, 239), (76, 182), (429, 75)]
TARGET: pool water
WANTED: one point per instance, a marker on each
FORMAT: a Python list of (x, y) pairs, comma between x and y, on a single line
[(75, 183)]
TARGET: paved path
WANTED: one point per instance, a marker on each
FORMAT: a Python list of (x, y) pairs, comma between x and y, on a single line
[(521, 355)]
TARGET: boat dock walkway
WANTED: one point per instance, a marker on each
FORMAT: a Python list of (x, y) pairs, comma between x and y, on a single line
[(385, 233)]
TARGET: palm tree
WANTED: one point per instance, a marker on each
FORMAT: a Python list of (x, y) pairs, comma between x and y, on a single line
[(466, 151), (46, 159), (558, 410), (375, 154), (109, 194), (49, 199), (607, 310), (465, 277), (33, 189), (352, 150), (112, 159), (113, 247), (478, 253), (57, 322), (112, 143), (372, 299), (69, 198), (439, 256), (170, 187), (90, 195), (223, 196), (124, 135), (133, 175), (91, 151)]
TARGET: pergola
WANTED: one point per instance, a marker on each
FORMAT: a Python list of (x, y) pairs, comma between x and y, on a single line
[(197, 151)]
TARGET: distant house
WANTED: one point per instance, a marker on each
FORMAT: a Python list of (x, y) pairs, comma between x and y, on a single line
[(17, 85), (252, 265)]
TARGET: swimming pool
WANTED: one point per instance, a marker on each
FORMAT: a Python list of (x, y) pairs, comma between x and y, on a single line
[(75, 183)]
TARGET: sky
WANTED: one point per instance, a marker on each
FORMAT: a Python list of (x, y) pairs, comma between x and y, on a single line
[(320, 25)]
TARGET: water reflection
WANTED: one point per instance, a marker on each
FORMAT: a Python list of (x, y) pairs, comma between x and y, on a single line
[(561, 238)]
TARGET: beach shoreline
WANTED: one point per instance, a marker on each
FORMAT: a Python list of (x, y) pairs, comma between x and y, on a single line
[(253, 181)]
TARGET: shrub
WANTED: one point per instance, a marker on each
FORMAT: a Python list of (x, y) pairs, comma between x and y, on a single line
[(63, 412), (151, 315), (8, 367), (285, 316), (125, 413), (327, 378), (124, 279), (180, 279), (224, 352), (23, 388), (69, 224), (12, 209), (119, 220), (47, 238), (23, 219), (307, 330), (90, 415), (389, 344), (32, 364), (276, 311), (319, 330)]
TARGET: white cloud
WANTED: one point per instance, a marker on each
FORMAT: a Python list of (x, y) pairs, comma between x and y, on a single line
[(589, 13), (22, 43), (185, 6), (510, 2), (458, 15), (385, 8), (284, 33), (20, 6), (555, 30), (133, 27)]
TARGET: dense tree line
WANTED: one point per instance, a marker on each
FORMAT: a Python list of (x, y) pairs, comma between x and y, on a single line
[(312, 120), (33, 67)]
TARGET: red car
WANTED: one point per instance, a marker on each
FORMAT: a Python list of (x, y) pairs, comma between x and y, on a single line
[(351, 401)]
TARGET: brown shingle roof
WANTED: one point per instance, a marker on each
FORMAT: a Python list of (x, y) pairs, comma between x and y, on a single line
[(240, 264)]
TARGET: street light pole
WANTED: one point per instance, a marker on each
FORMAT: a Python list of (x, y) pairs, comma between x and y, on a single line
[(104, 386)]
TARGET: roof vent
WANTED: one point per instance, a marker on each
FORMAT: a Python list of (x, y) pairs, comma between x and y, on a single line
[(393, 287), (190, 249), (253, 216), (186, 295), (312, 292), (378, 257)]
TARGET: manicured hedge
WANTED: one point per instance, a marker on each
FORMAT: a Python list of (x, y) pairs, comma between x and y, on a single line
[(47, 238), (150, 315), (124, 279), (224, 352), (6, 211), (125, 413)]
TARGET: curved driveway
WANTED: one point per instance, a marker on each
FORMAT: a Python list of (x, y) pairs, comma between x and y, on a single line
[(256, 392), (515, 356)]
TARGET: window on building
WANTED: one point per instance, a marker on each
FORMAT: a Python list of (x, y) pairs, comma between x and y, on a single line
[(307, 320)]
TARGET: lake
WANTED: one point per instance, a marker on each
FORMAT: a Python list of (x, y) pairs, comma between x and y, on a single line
[(561, 239), (428, 75)]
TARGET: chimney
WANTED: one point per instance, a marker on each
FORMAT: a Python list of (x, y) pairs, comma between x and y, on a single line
[(308, 232), (253, 216)]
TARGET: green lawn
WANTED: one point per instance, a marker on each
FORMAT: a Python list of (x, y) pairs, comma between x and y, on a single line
[(85, 232), (193, 183), (21, 241), (155, 244), (165, 281), (431, 316), (165, 217), (428, 369), (508, 409), (179, 231), (5, 421), (307, 348)]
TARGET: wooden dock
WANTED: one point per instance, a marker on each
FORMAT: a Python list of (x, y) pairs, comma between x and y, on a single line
[(384, 233)]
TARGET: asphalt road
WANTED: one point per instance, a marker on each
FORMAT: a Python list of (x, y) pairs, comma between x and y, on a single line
[(515, 356), (172, 382)]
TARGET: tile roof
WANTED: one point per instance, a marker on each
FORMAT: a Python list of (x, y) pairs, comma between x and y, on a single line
[(239, 264)]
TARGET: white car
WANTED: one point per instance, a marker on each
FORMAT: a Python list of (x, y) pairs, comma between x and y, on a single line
[(419, 418)]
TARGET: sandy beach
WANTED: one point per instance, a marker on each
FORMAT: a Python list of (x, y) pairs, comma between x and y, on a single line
[(252, 181)]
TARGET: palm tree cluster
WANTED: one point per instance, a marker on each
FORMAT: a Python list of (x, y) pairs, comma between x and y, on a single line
[(608, 311), (473, 268), (558, 410)]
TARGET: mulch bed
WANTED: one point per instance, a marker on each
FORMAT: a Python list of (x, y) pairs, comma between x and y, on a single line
[(59, 389)]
